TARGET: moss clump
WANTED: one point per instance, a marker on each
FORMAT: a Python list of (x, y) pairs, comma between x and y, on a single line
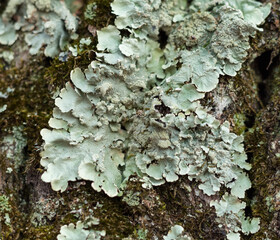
[(101, 10), (263, 145), (28, 105)]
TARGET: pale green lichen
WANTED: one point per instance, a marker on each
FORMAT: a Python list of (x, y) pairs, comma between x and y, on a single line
[(231, 209), (142, 234), (8, 34), (5, 209), (90, 11), (194, 29), (8, 56), (4, 95), (4, 204), (136, 110), (131, 198), (3, 108), (225, 37), (176, 233), (45, 210), (43, 23), (79, 232), (253, 12)]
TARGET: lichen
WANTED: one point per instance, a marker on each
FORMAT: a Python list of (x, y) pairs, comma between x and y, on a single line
[(12, 145), (47, 23), (136, 109), (90, 11), (5, 210), (79, 232), (4, 204), (176, 233), (44, 210)]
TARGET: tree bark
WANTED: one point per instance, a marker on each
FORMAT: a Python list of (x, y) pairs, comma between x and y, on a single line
[(30, 209)]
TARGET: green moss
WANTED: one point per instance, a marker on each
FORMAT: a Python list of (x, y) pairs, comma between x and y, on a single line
[(43, 233), (259, 176), (11, 217), (29, 104), (239, 121), (80, 203), (263, 175), (173, 204), (102, 13)]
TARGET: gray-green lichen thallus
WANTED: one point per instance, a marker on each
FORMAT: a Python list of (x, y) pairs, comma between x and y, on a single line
[(136, 110)]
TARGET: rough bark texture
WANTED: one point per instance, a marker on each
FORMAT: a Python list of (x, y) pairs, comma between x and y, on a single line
[(29, 209)]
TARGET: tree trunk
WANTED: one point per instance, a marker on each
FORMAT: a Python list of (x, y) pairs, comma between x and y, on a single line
[(30, 209)]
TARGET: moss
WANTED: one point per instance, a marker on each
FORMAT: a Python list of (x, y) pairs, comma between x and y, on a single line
[(173, 203), (29, 103), (42, 233), (81, 202), (11, 227), (103, 16), (192, 213), (239, 123), (28, 107), (264, 161)]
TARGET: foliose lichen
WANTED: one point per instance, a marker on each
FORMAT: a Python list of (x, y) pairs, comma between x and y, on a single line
[(79, 232), (43, 23), (4, 204), (176, 233), (90, 11), (44, 211), (136, 109), (5, 210)]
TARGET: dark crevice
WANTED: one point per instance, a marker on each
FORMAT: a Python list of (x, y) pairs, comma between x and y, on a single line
[(248, 212), (125, 33), (250, 121), (3, 5), (250, 193), (162, 38), (47, 61), (250, 156), (25, 190), (91, 55), (263, 94), (189, 2), (123, 127), (264, 65), (121, 168), (163, 109)]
